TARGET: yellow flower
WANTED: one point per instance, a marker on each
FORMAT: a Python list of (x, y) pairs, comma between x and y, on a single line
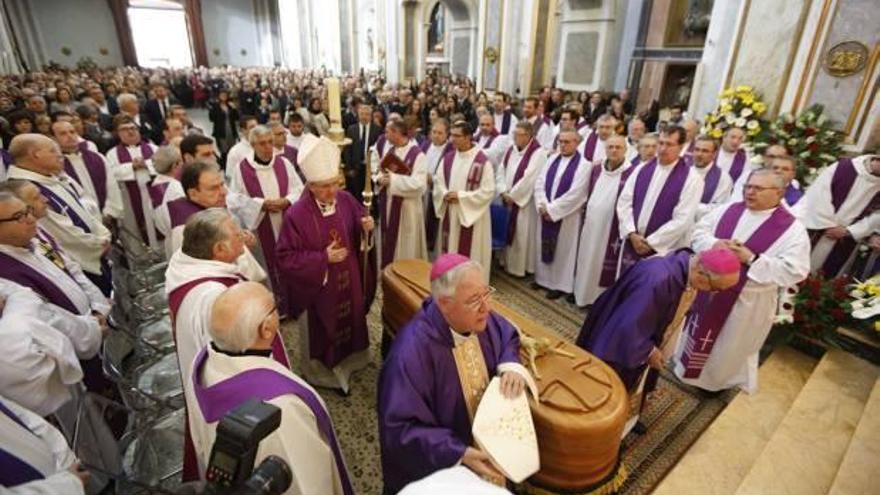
[(748, 99), (726, 108), (759, 107), (743, 89), (727, 93), (716, 133)]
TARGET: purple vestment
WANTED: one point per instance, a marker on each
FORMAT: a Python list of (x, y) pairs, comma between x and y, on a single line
[(97, 173), (423, 419), (550, 229), (590, 146), (792, 195), (134, 191), (390, 220), (628, 320), (710, 184), (518, 175), (14, 470), (334, 294), (430, 213)]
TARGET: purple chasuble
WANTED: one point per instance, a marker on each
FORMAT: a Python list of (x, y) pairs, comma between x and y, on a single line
[(667, 200), (628, 320), (842, 182), (133, 188), (264, 229), (550, 229), (430, 212), (475, 176), (97, 173), (612, 247), (334, 294), (737, 166), (263, 384), (390, 220), (423, 420), (710, 311), (520, 172), (710, 184), (15, 471)]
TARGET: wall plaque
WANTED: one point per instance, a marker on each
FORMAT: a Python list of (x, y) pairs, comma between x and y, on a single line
[(845, 59)]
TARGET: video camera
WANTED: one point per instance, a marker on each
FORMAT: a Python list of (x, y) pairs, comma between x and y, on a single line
[(231, 465)]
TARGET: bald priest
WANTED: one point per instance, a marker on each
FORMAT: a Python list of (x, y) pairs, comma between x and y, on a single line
[(436, 373)]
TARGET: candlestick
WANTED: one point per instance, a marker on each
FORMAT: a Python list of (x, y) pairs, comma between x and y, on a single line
[(333, 102)]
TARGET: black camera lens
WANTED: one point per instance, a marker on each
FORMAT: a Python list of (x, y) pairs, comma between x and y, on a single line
[(271, 477)]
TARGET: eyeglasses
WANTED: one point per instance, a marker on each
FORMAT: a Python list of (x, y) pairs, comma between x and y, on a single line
[(476, 302), (755, 188), (21, 216)]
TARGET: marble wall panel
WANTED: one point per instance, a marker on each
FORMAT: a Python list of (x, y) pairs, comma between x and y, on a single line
[(584, 4), (461, 50), (580, 55)]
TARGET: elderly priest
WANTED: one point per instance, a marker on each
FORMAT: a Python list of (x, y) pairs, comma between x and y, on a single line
[(236, 366), (436, 373)]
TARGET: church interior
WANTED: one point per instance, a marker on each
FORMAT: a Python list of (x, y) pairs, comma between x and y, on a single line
[(540, 247)]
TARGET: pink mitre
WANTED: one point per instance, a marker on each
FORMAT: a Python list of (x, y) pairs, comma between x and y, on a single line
[(446, 262), (720, 261)]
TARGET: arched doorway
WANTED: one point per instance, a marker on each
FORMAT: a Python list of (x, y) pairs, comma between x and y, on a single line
[(447, 36)]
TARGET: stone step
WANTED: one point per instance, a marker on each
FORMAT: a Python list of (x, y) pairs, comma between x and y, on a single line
[(717, 463), (806, 450), (858, 473)]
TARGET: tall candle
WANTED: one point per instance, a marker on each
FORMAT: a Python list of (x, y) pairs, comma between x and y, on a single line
[(333, 101)]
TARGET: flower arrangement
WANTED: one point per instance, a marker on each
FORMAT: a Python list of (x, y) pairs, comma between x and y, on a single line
[(741, 107), (809, 138), (865, 305), (816, 308)]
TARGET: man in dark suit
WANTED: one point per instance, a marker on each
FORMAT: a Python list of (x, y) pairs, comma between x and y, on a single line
[(363, 136), (158, 109), (595, 108), (128, 105)]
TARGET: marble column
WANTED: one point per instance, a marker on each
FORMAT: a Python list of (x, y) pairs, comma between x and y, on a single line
[(709, 80)]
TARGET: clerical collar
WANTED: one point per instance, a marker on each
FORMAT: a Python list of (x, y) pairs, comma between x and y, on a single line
[(262, 162), (608, 165), (326, 209), (248, 352), (459, 338), (70, 153)]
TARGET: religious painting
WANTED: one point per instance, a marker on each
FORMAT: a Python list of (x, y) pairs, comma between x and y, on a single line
[(437, 30), (677, 84), (688, 22)]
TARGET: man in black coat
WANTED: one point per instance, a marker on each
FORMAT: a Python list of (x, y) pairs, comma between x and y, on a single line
[(363, 136), (158, 109)]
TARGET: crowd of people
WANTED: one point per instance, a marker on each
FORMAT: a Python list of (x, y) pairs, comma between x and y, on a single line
[(676, 245)]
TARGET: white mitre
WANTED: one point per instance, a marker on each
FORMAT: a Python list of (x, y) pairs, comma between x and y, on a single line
[(319, 159)]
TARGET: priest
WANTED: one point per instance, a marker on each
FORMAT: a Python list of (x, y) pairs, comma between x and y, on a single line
[(434, 148), (837, 210), (503, 118), (717, 185), (78, 229), (400, 176), (521, 165), (280, 147), (593, 147), (560, 193), (786, 166), (568, 119), (635, 131), (237, 366), (636, 320), (90, 170), (599, 247), (203, 267), (658, 204), (732, 158), (647, 149), (261, 188), (165, 187), (331, 280), (464, 187), (132, 166), (426, 404), (541, 124), (724, 332), (691, 130), (242, 149), (491, 142)]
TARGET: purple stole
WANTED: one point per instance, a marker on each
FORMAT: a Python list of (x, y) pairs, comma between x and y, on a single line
[(59, 206), (505, 122), (539, 123), (710, 184), (430, 212), (738, 165), (13, 470), (666, 202), (180, 209), (157, 192), (424, 145), (291, 154), (380, 144), (792, 195), (520, 171), (475, 175), (390, 220), (842, 181), (264, 230), (134, 191), (590, 146), (97, 173), (612, 248), (635, 161), (263, 384), (710, 311), (5, 160), (494, 134), (175, 299), (550, 230), (23, 274)]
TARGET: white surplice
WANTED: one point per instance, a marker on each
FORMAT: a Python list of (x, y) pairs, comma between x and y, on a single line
[(83, 247), (472, 209), (733, 361), (125, 172), (113, 203), (519, 256), (411, 242), (297, 440), (719, 197), (161, 216), (495, 152), (499, 122), (724, 160), (559, 274), (433, 159), (817, 213), (598, 153), (674, 233), (38, 364), (600, 212), (238, 152), (546, 135), (41, 446)]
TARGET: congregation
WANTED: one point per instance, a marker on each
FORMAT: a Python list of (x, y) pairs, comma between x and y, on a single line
[(677, 246)]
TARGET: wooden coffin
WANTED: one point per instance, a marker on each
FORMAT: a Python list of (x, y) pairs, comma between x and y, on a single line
[(583, 404)]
